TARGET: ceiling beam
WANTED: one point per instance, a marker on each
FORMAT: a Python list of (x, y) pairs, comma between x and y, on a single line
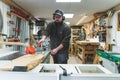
[(117, 7)]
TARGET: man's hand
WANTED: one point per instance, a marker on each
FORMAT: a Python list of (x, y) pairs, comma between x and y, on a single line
[(54, 51), (41, 41)]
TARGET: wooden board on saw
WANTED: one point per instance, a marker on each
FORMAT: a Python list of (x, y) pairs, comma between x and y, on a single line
[(29, 61)]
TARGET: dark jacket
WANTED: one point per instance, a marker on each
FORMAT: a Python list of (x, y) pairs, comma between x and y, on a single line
[(59, 33)]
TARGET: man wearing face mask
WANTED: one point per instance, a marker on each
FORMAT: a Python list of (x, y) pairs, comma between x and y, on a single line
[(60, 34)]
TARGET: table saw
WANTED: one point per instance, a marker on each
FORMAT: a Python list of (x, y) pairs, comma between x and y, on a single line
[(62, 72), (110, 60)]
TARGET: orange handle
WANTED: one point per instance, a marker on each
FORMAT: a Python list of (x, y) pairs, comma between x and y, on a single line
[(39, 44)]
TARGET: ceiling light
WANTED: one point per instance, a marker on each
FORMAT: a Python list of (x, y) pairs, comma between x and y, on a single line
[(68, 15), (81, 20), (68, 0)]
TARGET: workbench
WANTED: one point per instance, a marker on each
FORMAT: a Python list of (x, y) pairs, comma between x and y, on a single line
[(17, 46), (86, 50), (13, 43)]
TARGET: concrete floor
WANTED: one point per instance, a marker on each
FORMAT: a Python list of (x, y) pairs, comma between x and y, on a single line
[(72, 60)]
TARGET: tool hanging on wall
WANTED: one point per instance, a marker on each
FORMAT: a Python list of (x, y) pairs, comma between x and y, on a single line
[(110, 14)]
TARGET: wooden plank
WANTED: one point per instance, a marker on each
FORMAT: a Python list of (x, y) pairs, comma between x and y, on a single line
[(30, 61), (1, 40)]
